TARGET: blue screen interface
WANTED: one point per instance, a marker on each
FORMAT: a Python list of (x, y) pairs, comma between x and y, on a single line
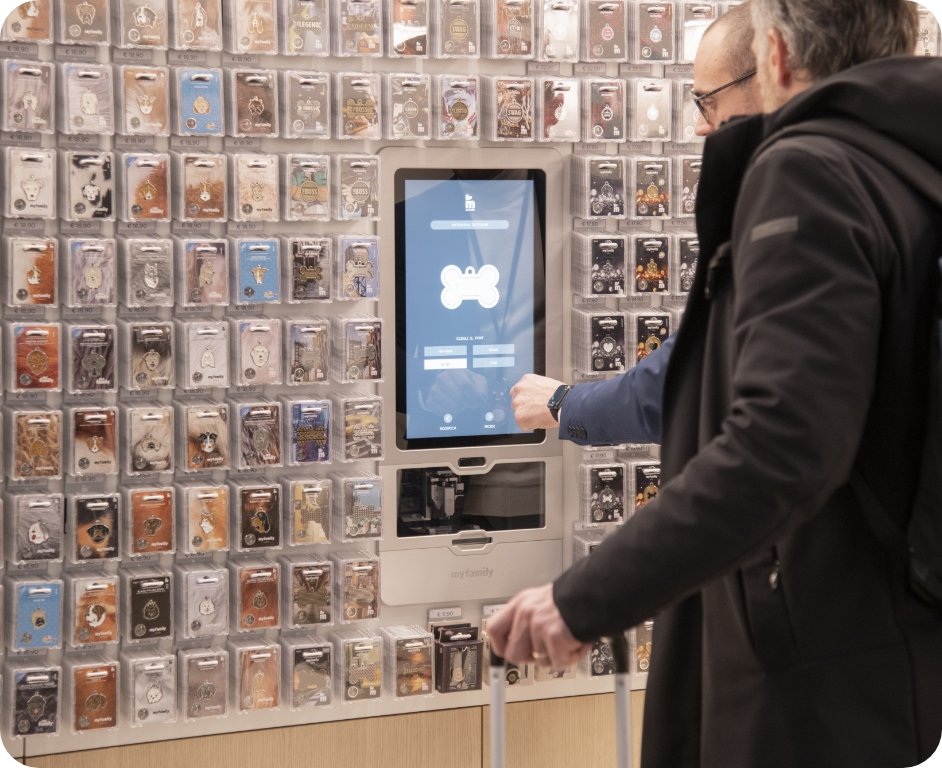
[(471, 252)]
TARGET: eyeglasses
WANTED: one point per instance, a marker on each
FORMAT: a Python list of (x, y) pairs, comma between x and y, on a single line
[(702, 101)]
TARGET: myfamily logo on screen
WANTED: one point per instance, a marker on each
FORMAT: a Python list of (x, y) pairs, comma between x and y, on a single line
[(480, 286)]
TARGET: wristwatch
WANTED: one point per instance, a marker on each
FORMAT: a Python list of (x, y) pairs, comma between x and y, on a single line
[(556, 401)]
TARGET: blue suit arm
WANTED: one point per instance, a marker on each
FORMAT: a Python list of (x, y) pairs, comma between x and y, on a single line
[(624, 409)]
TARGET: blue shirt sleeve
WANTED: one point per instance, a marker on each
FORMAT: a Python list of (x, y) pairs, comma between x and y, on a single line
[(625, 409)]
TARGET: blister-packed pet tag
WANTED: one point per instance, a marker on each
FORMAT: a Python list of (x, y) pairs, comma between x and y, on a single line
[(30, 96)]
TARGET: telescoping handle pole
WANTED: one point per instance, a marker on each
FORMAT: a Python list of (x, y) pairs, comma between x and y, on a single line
[(496, 678), (620, 657)]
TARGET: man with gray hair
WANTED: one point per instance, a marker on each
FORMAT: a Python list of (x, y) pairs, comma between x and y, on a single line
[(786, 635), (627, 408)]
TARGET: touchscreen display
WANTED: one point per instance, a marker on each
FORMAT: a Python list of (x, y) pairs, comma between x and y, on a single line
[(469, 303)]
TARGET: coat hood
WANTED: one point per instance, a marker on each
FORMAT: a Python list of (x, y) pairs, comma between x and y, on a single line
[(899, 96)]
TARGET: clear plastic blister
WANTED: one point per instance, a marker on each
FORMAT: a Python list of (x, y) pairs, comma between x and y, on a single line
[(509, 112), (29, 22), (258, 426), (147, 594), (457, 107), (254, 585), (307, 438), (358, 106), (308, 672), (358, 29), (409, 661), (92, 616), (202, 186), (253, 102), (305, 27), (408, 103), (256, 515), (356, 576), (30, 101), (307, 106), (307, 351), (407, 28), (30, 176), (204, 439), (198, 102), (148, 272), (32, 272), (654, 33), (360, 664), (648, 330), (90, 358), (357, 187), (141, 25), (256, 270), (251, 27), (358, 349), (151, 520), (603, 492), (92, 693), (196, 25), (83, 23), (509, 29), (651, 109), (604, 114), (644, 482), (147, 444), (651, 182), (33, 696), (94, 532), (358, 508), (559, 109), (456, 27), (650, 263), (93, 447), (308, 591), (87, 99), (35, 528), (255, 188), (257, 346), (599, 187), (605, 30), (599, 265), (306, 188), (204, 682), (91, 272), (695, 19), (34, 613), (144, 187), (256, 674), (203, 277), (147, 354), (558, 28), (34, 444), (687, 170), (149, 681), (599, 340), (203, 522), (202, 600), (204, 353), (307, 503), (34, 356)]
